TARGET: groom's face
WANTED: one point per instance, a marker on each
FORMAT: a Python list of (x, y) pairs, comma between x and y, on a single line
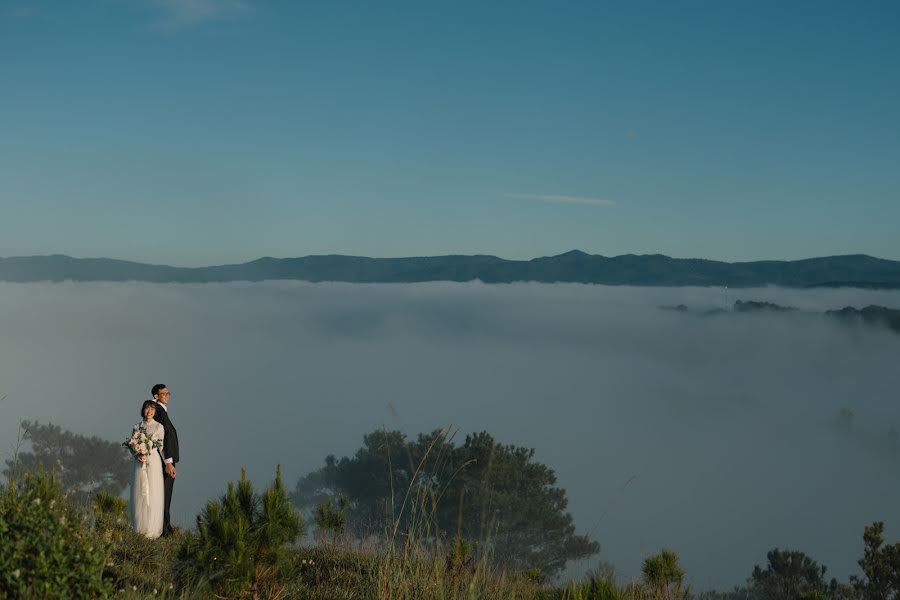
[(162, 396)]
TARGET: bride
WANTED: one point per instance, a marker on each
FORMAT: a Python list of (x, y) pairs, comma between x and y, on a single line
[(147, 500)]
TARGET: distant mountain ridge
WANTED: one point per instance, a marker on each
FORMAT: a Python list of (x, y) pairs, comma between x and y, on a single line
[(857, 270)]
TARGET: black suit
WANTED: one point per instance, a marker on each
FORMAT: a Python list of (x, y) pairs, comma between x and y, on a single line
[(170, 450)]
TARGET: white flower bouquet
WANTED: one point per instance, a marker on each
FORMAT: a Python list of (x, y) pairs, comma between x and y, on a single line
[(142, 443)]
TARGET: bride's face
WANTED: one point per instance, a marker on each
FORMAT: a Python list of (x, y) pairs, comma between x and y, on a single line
[(149, 412)]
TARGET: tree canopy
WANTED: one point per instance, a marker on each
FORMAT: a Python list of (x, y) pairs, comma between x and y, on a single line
[(789, 575), (495, 495), (880, 565), (83, 465)]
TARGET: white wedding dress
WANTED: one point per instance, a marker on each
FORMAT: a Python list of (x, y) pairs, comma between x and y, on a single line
[(147, 495)]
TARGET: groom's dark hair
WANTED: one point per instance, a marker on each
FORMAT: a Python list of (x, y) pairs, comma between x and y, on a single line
[(155, 389)]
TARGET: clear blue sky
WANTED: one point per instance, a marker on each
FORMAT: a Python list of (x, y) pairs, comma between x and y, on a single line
[(214, 131)]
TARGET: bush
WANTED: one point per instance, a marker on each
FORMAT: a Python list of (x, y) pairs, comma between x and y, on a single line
[(47, 550), (241, 538), (110, 512), (664, 575), (330, 517)]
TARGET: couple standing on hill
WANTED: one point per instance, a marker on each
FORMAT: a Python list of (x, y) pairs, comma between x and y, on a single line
[(154, 445)]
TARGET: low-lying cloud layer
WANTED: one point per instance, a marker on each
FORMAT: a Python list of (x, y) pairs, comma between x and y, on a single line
[(722, 427)]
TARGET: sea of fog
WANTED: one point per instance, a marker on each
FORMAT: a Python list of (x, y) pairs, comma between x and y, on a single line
[(712, 436)]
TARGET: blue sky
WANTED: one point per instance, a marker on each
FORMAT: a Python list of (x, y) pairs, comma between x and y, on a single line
[(214, 131)]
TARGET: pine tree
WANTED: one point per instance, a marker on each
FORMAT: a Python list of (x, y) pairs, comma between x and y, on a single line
[(239, 535)]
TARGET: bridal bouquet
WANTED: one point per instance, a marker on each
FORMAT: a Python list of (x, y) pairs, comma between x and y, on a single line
[(142, 443)]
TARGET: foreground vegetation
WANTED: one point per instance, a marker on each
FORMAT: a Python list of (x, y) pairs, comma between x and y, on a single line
[(244, 546), (66, 534)]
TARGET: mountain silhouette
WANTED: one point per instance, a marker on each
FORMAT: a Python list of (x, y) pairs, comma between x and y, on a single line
[(856, 270)]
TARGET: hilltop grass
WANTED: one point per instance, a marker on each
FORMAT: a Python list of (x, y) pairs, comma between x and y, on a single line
[(143, 568)]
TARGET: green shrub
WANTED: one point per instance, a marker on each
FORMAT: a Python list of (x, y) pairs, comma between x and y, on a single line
[(106, 504), (664, 575), (47, 550), (240, 539), (330, 517), (606, 589), (110, 515)]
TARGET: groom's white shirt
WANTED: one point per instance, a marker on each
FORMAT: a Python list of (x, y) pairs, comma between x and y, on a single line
[(169, 461)]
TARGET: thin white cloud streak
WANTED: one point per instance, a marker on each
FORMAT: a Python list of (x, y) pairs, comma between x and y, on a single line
[(180, 14), (561, 199)]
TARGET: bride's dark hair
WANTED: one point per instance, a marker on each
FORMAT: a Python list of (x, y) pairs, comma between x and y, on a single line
[(145, 405)]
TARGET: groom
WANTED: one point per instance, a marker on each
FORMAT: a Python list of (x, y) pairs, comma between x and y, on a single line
[(161, 395)]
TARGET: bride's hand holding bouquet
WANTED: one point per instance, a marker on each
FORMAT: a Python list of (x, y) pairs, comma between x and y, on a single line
[(141, 444)]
